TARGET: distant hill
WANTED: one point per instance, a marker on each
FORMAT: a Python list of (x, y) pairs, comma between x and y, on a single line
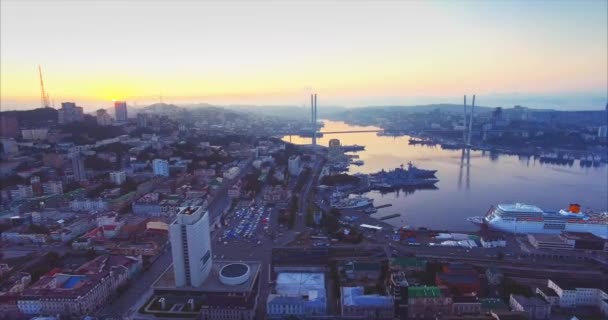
[(162, 108), (41, 117)]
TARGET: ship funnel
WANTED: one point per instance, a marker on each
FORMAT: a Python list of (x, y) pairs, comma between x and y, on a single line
[(574, 208)]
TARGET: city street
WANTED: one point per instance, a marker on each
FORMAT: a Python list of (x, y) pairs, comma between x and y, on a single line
[(123, 304)]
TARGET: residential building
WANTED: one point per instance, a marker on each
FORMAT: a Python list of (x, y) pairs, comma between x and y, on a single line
[(191, 246), (103, 118), (36, 185), (54, 160), (334, 152), (426, 302), (81, 292), (294, 165), (118, 177), (602, 131), (69, 112), (21, 192), (120, 108), (9, 146), (535, 307), (34, 134), (52, 188), (160, 167), (142, 120), (355, 303), (9, 126), (88, 205), (462, 305), (572, 294), (78, 167), (297, 294), (398, 286)]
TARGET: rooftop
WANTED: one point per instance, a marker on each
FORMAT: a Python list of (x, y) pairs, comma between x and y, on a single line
[(212, 284), (409, 262), (424, 292), (529, 301), (354, 296), (581, 236), (300, 283)]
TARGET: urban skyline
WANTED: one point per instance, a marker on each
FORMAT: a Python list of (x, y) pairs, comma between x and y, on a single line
[(542, 55)]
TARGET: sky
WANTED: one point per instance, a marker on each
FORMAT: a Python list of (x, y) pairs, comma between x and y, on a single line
[(542, 54)]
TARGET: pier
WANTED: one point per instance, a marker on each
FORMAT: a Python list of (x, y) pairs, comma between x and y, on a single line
[(390, 216)]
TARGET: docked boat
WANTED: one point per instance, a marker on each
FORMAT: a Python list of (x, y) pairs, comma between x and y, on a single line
[(400, 177), (358, 202), (526, 219)]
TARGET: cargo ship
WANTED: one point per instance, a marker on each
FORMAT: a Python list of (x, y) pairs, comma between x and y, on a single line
[(525, 219)]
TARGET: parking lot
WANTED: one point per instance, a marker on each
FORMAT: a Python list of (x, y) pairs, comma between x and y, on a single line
[(246, 224)]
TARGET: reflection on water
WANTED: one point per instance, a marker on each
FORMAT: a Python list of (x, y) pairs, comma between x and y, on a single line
[(469, 181)]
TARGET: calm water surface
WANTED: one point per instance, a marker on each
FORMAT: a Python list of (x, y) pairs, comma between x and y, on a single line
[(468, 185)]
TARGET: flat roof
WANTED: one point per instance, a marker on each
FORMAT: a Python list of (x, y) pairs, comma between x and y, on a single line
[(369, 226), (424, 292), (212, 284), (300, 283)]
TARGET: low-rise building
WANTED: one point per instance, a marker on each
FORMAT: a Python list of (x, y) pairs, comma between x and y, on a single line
[(355, 303), (88, 205), (298, 294), (118, 177), (535, 307), (52, 188), (427, 302), (81, 292), (466, 305), (573, 294), (21, 192)]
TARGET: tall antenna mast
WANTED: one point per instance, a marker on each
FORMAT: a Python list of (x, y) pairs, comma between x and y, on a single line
[(44, 97)]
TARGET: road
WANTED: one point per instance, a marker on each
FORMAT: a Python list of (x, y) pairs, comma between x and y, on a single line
[(123, 304)]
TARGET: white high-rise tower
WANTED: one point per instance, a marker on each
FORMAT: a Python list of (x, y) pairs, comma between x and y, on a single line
[(191, 247)]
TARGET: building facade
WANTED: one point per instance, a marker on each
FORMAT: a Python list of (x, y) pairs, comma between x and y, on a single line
[(118, 177), (160, 167), (120, 108), (191, 247)]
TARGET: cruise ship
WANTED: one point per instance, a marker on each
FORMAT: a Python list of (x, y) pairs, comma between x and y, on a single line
[(523, 218)]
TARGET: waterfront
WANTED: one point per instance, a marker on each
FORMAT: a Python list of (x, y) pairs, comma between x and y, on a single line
[(468, 183)]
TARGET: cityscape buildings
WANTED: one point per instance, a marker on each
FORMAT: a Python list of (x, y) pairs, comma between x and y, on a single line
[(120, 109)]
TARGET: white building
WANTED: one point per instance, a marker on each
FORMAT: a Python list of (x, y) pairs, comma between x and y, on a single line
[(9, 146), (118, 177), (21, 192), (160, 167), (191, 247), (52, 187), (602, 132), (572, 295), (34, 134), (298, 294), (294, 164), (534, 307), (88, 205)]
